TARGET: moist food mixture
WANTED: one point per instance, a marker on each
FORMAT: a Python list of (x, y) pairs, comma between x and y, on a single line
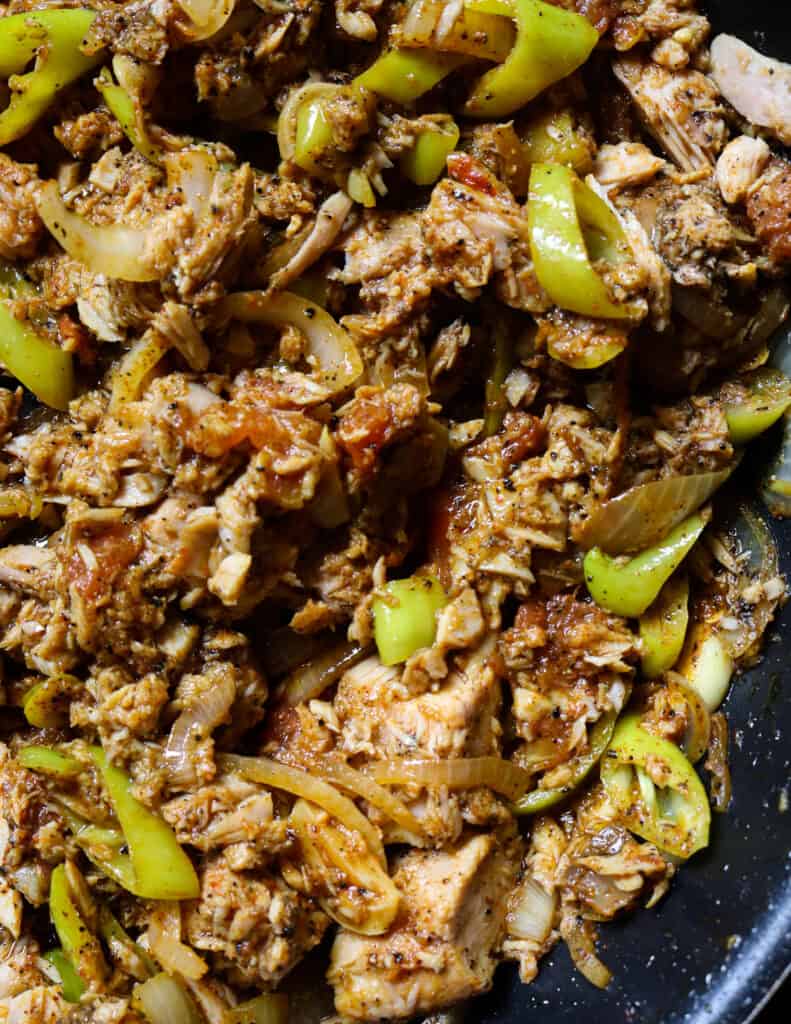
[(374, 374)]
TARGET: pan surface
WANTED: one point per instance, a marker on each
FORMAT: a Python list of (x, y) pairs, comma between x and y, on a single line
[(720, 942)]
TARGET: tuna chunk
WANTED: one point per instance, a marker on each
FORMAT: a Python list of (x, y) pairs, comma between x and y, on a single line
[(443, 946)]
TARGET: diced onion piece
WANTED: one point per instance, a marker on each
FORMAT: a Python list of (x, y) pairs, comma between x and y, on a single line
[(339, 362), (645, 514), (707, 666), (114, 250), (170, 951), (193, 171), (312, 679), (207, 17), (165, 1001), (269, 1008), (196, 722), (456, 773), (532, 911), (577, 934), (130, 375), (328, 851), (301, 783)]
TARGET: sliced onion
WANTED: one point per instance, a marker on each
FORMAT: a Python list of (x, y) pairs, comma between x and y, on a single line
[(206, 17), (164, 941), (303, 784), (164, 1001), (130, 374), (643, 515), (327, 851), (578, 934), (312, 679), (269, 1008), (532, 911), (696, 741), (707, 665), (717, 764), (193, 172), (114, 250), (457, 773), (196, 723), (364, 786), (337, 357)]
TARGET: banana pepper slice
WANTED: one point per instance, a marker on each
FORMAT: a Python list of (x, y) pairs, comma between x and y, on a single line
[(54, 39), (655, 790), (550, 44)]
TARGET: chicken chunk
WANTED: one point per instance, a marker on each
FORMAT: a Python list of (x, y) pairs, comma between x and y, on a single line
[(740, 165), (757, 86), (681, 109), (628, 163), (443, 946)]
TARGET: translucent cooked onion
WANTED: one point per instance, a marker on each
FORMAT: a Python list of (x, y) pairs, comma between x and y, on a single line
[(114, 250), (532, 911), (195, 723), (165, 944), (303, 784), (578, 934), (696, 741), (457, 773), (206, 17), (339, 363), (130, 374), (269, 1008), (707, 665), (364, 786), (193, 171), (643, 515), (164, 1001), (366, 900), (312, 679)]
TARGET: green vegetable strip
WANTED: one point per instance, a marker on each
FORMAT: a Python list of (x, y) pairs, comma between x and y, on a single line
[(405, 617), (663, 628), (426, 161), (70, 982), (55, 37), (123, 109), (629, 588), (162, 869), (49, 761), (404, 75), (80, 946)]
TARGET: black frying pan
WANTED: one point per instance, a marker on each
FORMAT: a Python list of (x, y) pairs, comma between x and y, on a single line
[(720, 943)]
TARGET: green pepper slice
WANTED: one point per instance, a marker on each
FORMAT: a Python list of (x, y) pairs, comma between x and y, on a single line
[(404, 75), (314, 136), (71, 983), (162, 870), (46, 705), (426, 161), (405, 617), (565, 221), (54, 38), (49, 761), (764, 396), (80, 946), (127, 114), (663, 628), (630, 587), (496, 403), (538, 800), (550, 44), (655, 790)]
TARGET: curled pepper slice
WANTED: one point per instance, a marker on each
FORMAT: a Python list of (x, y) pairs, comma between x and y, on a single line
[(43, 367), (755, 402), (550, 44), (539, 800), (425, 162), (54, 38), (663, 627), (655, 790), (71, 983), (404, 75), (630, 587), (569, 225), (49, 761), (128, 114), (162, 869), (405, 617), (80, 946)]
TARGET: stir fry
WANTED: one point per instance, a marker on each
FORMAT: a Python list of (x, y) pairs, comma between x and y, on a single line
[(375, 380)]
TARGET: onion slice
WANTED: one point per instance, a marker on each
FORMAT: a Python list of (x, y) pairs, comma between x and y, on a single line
[(579, 936), (457, 773), (164, 1001), (301, 783), (532, 911), (114, 250), (313, 678), (195, 723), (334, 351), (164, 941), (643, 515), (206, 17)]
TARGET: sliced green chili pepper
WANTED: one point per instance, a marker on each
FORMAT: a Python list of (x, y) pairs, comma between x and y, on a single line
[(566, 221), (405, 617), (162, 870), (46, 705), (116, 937), (765, 396), (127, 114), (71, 983), (655, 790), (269, 1008), (49, 761), (426, 161), (539, 800), (630, 587), (43, 367), (550, 44), (553, 139), (404, 75), (663, 627), (80, 945), (54, 38), (314, 136)]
